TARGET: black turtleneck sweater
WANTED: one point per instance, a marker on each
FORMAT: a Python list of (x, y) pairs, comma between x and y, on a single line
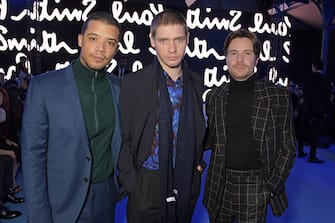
[(241, 153)]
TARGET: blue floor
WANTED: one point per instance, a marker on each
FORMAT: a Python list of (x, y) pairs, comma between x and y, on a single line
[(311, 191)]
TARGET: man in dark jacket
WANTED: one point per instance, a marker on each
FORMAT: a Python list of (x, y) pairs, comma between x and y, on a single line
[(316, 94), (163, 129)]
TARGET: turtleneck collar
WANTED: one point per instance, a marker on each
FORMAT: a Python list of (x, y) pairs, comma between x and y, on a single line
[(82, 71), (250, 81)]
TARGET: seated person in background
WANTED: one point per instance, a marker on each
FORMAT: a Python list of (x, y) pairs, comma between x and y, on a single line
[(6, 164), (14, 113), (7, 145)]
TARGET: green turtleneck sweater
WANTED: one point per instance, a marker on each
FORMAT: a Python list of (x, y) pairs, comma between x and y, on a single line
[(99, 114)]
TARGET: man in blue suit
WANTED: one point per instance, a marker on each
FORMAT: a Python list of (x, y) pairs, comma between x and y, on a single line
[(71, 133)]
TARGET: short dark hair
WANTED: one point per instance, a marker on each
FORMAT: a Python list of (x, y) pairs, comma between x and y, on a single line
[(318, 64), (168, 17), (101, 16), (242, 33)]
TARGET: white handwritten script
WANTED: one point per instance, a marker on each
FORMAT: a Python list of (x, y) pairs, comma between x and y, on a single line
[(51, 41)]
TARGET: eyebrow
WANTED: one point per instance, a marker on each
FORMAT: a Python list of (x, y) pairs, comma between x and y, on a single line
[(94, 34), (240, 51), (175, 37)]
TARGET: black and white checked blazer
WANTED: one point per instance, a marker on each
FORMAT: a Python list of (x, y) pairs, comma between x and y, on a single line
[(273, 132)]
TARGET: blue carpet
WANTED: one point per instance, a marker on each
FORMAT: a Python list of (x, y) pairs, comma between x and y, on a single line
[(310, 187)]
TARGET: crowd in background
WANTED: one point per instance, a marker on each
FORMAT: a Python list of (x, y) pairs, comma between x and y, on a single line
[(314, 106), (12, 96)]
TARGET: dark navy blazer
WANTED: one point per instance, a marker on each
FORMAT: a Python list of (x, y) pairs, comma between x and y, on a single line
[(56, 156)]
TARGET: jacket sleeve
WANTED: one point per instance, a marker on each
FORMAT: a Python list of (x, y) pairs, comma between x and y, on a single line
[(126, 163), (34, 154), (285, 144), (209, 140)]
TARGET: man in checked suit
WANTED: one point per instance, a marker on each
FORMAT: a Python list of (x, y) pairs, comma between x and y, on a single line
[(250, 131)]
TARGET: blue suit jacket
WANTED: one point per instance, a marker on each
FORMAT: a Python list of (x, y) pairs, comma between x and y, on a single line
[(56, 155)]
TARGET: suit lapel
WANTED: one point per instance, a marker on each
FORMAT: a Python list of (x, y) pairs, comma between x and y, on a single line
[(72, 100), (116, 142), (260, 113), (220, 115)]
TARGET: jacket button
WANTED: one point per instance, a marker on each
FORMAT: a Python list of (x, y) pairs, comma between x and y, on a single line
[(88, 158), (85, 179)]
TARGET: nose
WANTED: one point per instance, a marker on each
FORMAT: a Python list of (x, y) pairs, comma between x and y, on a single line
[(101, 46), (239, 56), (172, 46)]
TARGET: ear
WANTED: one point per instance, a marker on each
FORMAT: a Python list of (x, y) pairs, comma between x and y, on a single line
[(187, 38), (116, 50), (152, 41), (80, 40)]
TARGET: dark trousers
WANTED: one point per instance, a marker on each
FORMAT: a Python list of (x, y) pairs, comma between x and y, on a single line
[(100, 203), (299, 124), (6, 175), (245, 198), (314, 131), (144, 202)]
